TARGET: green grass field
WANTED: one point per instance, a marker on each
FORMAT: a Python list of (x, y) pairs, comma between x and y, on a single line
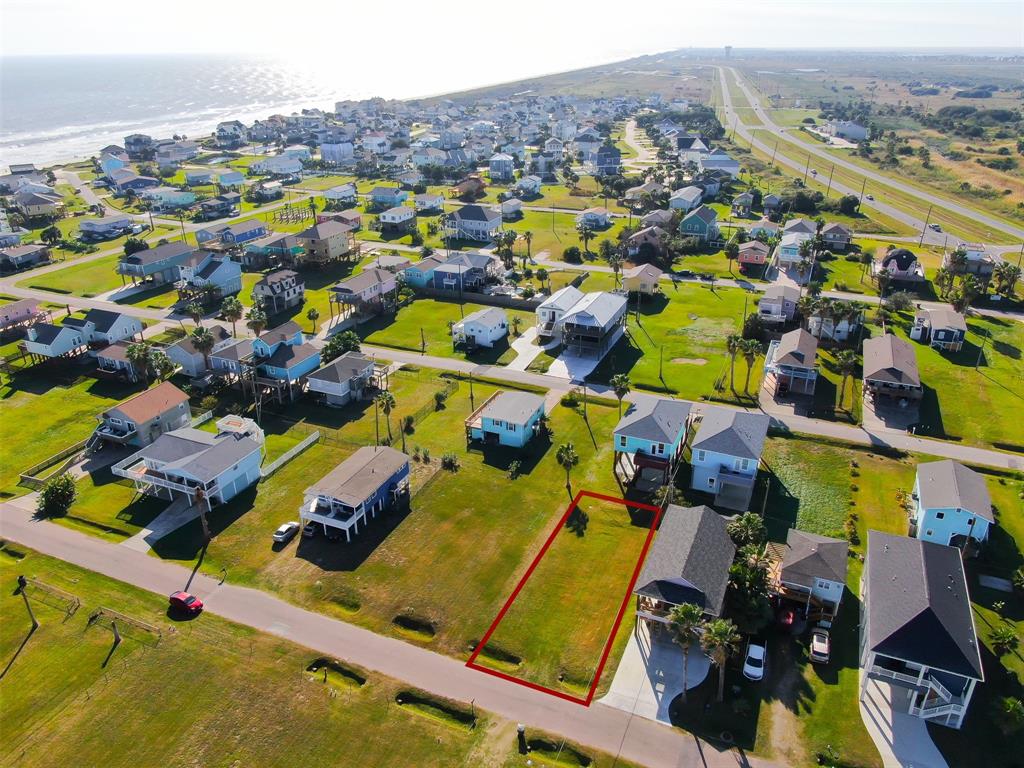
[(63, 686), (422, 326), (556, 635)]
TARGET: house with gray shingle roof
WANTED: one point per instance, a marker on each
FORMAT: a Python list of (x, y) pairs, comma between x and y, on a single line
[(917, 632), (701, 222), (890, 370), (205, 468), (506, 418), (688, 563), (951, 505), (726, 454), (650, 438), (813, 571), (482, 328), (789, 365)]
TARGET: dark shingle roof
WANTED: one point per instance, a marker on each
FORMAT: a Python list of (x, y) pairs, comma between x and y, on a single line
[(655, 419), (810, 557), (918, 607), (734, 433), (343, 368), (689, 561), (476, 213), (949, 484), (890, 358)]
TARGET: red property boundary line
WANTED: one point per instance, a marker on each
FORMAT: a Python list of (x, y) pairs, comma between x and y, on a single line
[(471, 663)]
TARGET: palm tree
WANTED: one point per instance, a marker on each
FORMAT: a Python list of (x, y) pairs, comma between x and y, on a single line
[(139, 354), (162, 365), (313, 315), (958, 261), (542, 276), (586, 235), (732, 252), (733, 344), (719, 640), (386, 401), (883, 278), (567, 459), (233, 311), (1006, 276), (257, 321), (528, 238), (612, 257), (846, 363), (202, 339), (620, 385), (969, 290), (517, 322), (747, 529), (195, 311), (50, 235), (750, 349), (685, 621)]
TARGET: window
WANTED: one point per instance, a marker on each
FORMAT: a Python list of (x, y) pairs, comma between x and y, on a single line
[(711, 482), (741, 465), (929, 532), (622, 441), (939, 515), (701, 455)]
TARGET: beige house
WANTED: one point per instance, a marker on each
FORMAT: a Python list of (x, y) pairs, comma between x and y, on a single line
[(326, 242), (142, 419), (643, 279)]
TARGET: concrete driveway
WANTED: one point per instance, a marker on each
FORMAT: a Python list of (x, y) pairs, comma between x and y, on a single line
[(902, 740), (650, 675)]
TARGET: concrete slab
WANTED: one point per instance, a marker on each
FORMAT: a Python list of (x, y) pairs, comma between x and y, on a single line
[(177, 514), (526, 350), (901, 739), (577, 367), (650, 674)]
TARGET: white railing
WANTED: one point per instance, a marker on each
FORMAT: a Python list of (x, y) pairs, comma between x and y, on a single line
[(653, 617), (938, 710), (892, 675)]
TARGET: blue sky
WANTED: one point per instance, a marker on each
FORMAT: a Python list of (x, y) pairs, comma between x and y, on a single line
[(527, 36)]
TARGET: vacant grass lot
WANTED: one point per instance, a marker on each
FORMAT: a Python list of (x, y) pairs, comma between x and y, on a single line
[(403, 564), (422, 326), (558, 635), (88, 280), (41, 415), (968, 404), (554, 232), (60, 694)]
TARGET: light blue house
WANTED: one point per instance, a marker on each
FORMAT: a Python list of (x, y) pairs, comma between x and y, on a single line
[(230, 178), (207, 468), (282, 358), (388, 197), (235, 234), (169, 198), (421, 274), (370, 481), (951, 505), (650, 438), (726, 454), (506, 418), (198, 176)]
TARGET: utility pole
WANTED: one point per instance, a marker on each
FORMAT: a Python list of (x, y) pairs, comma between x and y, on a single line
[(829, 187), (1021, 256), (776, 149), (862, 188), (807, 167), (924, 229), (981, 350), (22, 587)]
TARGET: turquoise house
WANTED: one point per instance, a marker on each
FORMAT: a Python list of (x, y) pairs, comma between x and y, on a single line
[(421, 274), (510, 419), (951, 505), (651, 436), (701, 222)]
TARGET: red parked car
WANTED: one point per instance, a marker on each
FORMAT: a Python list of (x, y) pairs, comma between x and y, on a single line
[(185, 602)]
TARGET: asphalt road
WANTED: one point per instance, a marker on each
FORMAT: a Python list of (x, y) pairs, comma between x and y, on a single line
[(923, 195), (598, 726)]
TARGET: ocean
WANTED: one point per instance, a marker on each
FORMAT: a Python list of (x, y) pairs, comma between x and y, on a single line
[(60, 108)]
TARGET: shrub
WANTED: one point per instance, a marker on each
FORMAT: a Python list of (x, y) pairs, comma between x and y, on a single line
[(570, 400), (513, 470), (426, 455), (573, 255), (416, 453), (57, 496), (450, 462), (1010, 714), (439, 397), (208, 403), (1004, 640), (408, 424)]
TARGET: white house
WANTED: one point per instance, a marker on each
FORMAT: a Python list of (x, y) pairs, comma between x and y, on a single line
[(594, 218), (279, 165), (207, 269), (481, 328), (473, 222), (778, 304), (501, 167), (846, 129), (100, 327), (371, 289), (343, 193), (401, 217), (726, 454), (337, 154), (917, 628), (511, 208), (49, 340), (528, 186), (553, 308), (686, 198), (429, 201), (204, 468)]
